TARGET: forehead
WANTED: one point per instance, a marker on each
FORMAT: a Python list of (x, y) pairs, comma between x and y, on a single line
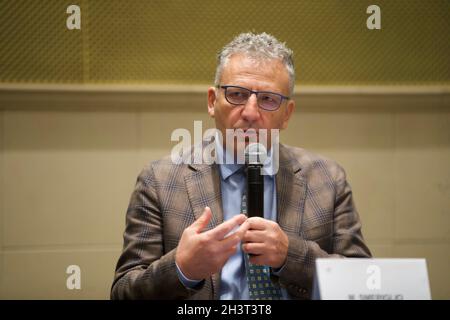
[(256, 73)]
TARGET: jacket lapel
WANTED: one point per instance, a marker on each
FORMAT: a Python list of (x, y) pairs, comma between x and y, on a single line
[(203, 188), (291, 193)]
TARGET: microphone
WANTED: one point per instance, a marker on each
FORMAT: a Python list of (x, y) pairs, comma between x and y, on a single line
[(255, 156)]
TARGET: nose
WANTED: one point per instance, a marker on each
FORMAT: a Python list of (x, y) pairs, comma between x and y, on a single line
[(250, 113)]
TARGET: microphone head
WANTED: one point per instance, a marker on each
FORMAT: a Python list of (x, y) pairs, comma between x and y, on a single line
[(255, 153)]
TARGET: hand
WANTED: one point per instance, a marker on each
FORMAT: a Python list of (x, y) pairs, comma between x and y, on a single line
[(201, 254), (266, 242)]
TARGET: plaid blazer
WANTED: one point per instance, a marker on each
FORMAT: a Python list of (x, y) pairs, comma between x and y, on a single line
[(315, 209)]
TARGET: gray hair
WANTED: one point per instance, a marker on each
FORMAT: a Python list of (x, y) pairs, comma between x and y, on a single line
[(260, 46)]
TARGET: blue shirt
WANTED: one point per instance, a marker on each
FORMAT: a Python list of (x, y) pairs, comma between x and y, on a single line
[(233, 182)]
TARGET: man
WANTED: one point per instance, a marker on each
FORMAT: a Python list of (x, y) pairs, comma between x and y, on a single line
[(186, 236)]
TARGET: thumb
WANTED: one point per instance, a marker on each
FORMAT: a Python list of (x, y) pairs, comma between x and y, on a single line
[(203, 220)]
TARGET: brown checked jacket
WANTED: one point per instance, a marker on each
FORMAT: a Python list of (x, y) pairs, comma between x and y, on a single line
[(315, 210)]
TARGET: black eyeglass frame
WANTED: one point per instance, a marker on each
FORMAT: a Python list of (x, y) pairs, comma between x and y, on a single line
[(225, 87)]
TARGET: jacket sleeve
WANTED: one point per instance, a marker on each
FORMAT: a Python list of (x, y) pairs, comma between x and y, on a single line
[(143, 270), (346, 241)]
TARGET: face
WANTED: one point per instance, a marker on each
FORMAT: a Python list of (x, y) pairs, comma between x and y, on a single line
[(262, 75)]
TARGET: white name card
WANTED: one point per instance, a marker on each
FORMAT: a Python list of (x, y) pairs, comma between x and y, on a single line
[(371, 279)]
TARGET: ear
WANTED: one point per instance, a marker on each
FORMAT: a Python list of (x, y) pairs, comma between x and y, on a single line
[(211, 101), (288, 113)]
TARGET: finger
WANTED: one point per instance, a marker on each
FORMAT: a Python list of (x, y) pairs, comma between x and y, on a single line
[(254, 248), (229, 242), (202, 221), (254, 236), (234, 238), (242, 230), (224, 228), (257, 223)]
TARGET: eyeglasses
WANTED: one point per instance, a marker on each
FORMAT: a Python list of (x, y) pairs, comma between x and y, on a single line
[(269, 101)]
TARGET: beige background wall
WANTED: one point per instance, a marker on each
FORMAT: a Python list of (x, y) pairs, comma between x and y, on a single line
[(69, 160)]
